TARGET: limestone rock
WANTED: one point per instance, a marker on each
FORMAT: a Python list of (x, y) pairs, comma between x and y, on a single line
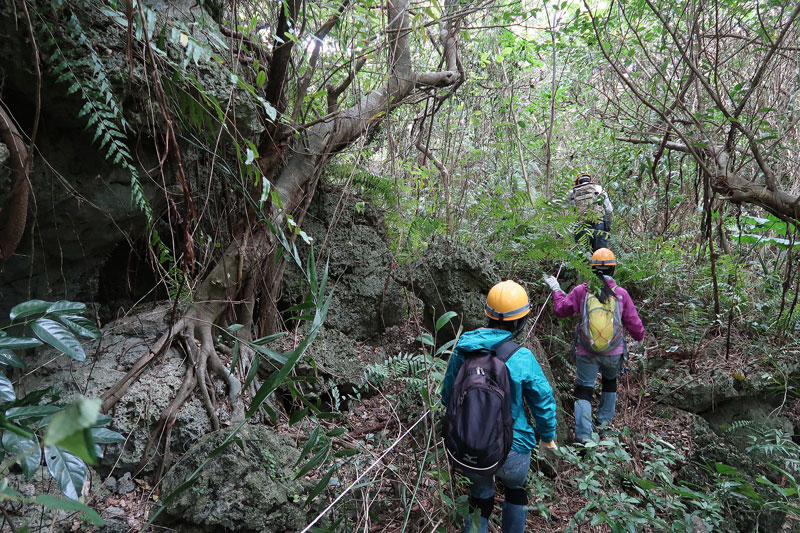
[(138, 411), (248, 487), (350, 236), (453, 277)]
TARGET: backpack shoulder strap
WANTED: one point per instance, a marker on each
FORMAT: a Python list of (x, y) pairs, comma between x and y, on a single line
[(506, 349)]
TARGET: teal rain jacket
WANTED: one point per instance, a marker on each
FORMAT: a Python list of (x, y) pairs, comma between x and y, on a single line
[(526, 379)]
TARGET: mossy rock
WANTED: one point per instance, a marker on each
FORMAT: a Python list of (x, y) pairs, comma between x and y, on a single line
[(249, 486), (349, 236), (453, 277)]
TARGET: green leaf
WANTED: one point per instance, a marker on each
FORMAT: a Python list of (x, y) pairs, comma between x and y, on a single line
[(19, 343), (70, 428), (32, 411), (269, 338), (102, 420), (319, 487), (261, 78), (314, 461), (106, 436), (58, 337), (335, 432), (725, 469), (426, 338), (54, 502), (27, 452), (297, 416), (81, 325), (69, 471), (312, 439), (251, 375), (7, 393), (646, 484), (63, 306), (446, 346), (82, 445), (28, 308), (444, 319), (9, 358), (272, 354), (346, 452)]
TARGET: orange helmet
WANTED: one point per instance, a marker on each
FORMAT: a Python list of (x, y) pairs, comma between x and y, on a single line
[(603, 257), (507, 301)]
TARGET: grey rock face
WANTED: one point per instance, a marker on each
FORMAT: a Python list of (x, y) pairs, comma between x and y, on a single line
[(453, 277), (247, 487), (349, 234), (83, 201), (138, 411)]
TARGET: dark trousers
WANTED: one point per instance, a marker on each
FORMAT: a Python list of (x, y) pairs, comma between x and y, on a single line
[(596, 233)]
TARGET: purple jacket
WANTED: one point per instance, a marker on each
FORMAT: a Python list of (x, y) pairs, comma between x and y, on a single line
[(565, 305)]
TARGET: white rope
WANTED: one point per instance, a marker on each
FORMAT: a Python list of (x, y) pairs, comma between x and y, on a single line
[(364, 473)]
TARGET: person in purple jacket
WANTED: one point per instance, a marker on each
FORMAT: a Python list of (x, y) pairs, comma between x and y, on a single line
[(588, 364)]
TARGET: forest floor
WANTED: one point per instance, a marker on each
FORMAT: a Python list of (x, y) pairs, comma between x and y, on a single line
[(394, 496)]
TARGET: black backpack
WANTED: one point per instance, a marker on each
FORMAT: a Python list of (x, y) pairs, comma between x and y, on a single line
[(478, 426)]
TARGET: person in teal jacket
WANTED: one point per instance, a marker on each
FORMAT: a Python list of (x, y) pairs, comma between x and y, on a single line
[(507, 307)]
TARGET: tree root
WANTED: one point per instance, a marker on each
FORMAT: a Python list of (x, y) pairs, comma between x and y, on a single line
[(116, 392), (166, 421), (197, 340)]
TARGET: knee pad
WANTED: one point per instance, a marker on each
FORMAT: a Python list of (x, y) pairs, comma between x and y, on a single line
[(584, 393), (609, 385), (484, 504), (517, 496)]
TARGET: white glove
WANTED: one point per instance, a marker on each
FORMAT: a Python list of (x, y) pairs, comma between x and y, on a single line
[(635, 346), (549, 452), (552, 282)]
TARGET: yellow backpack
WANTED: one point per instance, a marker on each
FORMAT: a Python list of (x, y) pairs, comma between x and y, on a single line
[(600, 330)]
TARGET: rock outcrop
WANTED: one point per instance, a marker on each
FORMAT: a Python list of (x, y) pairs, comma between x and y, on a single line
[(247, 487)]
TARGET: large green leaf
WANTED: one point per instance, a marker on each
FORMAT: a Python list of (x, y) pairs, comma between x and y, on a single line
[(32, 411), (9, 358), (269, 338), (28, 308), (59, 337), (6, 389), (315, 461), (102, 420), (320, 486), (272, 354), (444, 319), (312, 439), (64, 307), (54, 502), (70, 428), (106, 436), (27, 452), (80, 325), (68, 470), (19, 343)]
